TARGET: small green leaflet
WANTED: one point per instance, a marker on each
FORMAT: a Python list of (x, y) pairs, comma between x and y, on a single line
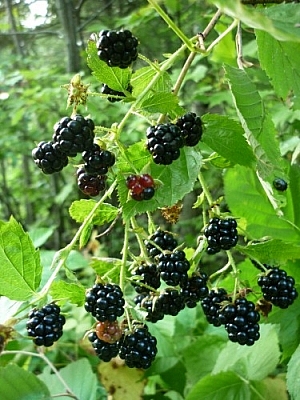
[(110, 267), (68, 292), (281, 62), (161, 102), (226, 137), (143, 77), (116, 78), (80, 209), (293, 382), (20, 262)]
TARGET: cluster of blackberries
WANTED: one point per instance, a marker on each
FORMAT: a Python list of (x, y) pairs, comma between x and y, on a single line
[(45, 325), (112, 93), (277, 287), (141, 187), (221, 234), (71, 136), (104, 350), (117, 48), (239, 318), (91, 176), (164, 141), (160, 241), (105, 302)]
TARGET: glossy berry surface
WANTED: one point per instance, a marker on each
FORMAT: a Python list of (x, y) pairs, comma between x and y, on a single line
[(280, 184), (173, 268), (49, 158), (278, 288), (160, 240), (195, 289), (164, 142), (97, 160), (149, 276), (105, 302), (45, 325), (191, 128), (221, 234), (212, 304), (108, 331), (105, 351), (90, 184), (141, 187), (138, 348), (117, 48)]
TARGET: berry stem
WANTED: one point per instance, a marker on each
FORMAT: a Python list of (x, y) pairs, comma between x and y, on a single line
[(205, 189), (222, 35), (137, 231)]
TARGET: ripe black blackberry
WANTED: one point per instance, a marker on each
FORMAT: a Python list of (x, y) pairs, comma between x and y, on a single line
[(110, 92), (164, 142), (221, 234), (74, 135), (149, 276), (213, 303), (49, 158), (117, 48), (45, 325), (241, 321), (138, 348), (191, 128), (280, 184), (173, 268), (105, 302), (163, 239), (97, 160), (90, 184), (277, 287), (195, 289), (105, 351)]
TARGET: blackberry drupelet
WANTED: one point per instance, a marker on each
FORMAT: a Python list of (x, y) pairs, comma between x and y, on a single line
[(138, 348), (213, 303), (105, 351), (147, 301), (97, 160), (45, 325), (90, 184), (74, 135), (280, 184), (149, 276), (105, 302), (117, 48), (141, 187), (49, 158), (109, 332), (173, 268), (164, 142), (277, 287), (110, 92), (241, 321), (163, 239), (221, 234), (195, 289), (191, 128)]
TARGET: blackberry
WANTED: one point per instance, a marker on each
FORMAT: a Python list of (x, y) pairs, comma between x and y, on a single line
[(109, 332), (105, 351), (141, 186), (173, 268), (110, 92), (149, 276), (148, 302), (138, 348), (191, 128), (45, 325), (221, 234), (105, 302), (213, 303), (164, 142), (278, 288), (280, 184), (241, 321), (97, 160), (74, 135), (90, 184), (49, 158), (117, 48), (163, 239), (195, 289)]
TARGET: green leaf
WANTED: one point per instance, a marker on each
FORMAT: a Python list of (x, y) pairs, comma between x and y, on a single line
[(68, 292), (226, 137), (248, 201), (272, 19), (293, 382), (20, 263), (160, 102), (281, 62), (173, 181), (225, 385), (80, 209), (142, 78), (17, 383), (252, 363), (107, 266), (116, 78), (272, 251), (40, 235)]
